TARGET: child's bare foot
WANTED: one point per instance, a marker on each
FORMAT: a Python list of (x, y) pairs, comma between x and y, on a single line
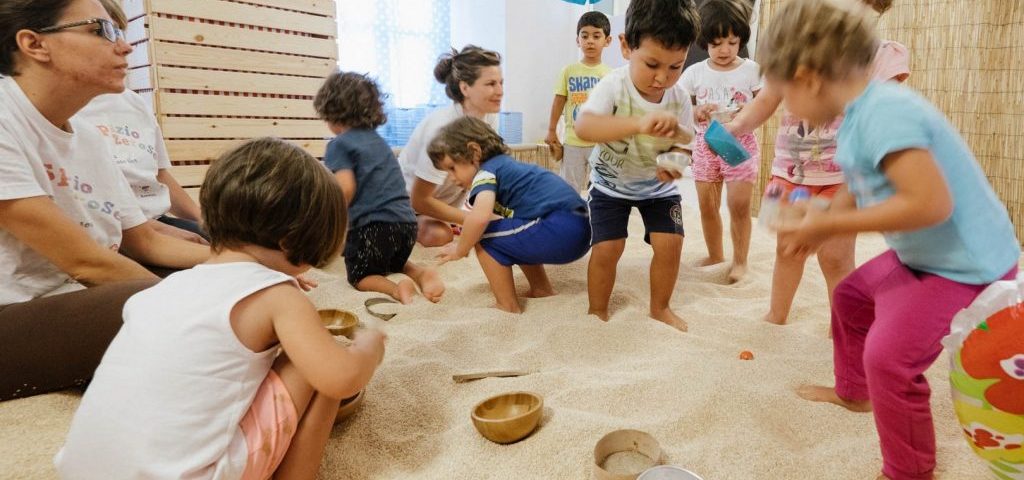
[(540, 292), (707, 262), (772, 317), (431, 285), (405, 291), (669, 317), (737, 272), (602, 314), (510, 307), (820, 393)]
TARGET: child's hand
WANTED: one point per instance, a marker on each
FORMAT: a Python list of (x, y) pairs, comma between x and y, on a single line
[(702, 113), (554, 145), (659, 124), (804, 239), (450, 253), (665, 175), (371, 340), (306, 284)]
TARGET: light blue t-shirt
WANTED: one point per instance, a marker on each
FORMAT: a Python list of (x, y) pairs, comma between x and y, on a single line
[(977, 244)]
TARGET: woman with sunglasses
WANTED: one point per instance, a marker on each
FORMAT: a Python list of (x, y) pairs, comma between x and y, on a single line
[(65, 209)]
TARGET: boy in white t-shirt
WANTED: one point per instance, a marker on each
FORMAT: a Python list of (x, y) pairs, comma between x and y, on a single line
[(635, 113), (721, 85)]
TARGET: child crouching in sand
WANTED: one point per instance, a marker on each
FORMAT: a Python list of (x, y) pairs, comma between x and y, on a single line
[(382, 223), (521, 214), (192, 385)]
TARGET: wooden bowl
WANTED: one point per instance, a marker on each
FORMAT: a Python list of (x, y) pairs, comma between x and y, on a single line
[(624, 454), (508, 417), (339, 322), (349, 406)]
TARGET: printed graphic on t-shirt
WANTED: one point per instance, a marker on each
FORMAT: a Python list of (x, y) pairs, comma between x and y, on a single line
[(83, 192), (579, 90), (726, 96), (808, 148), (129, 144)]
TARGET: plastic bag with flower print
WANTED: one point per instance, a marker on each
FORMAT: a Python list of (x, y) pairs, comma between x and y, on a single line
[(986, 348)]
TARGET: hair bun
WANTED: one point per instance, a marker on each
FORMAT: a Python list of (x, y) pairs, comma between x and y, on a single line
[(443, 69)]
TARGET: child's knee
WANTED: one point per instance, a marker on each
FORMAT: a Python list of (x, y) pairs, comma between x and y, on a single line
[(436, 235)]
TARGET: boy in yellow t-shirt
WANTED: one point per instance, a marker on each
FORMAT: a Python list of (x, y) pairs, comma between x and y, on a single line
[(571, 92)]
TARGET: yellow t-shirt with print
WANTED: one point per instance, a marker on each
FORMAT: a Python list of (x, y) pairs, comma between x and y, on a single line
[(575, 84)]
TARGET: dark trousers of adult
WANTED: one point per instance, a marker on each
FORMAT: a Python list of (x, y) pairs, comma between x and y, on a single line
[(55, 343)]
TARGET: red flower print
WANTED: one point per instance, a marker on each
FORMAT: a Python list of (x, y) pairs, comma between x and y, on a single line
[(996, 350)]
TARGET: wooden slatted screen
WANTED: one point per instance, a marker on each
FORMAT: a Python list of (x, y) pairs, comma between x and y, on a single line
[(219, 72)]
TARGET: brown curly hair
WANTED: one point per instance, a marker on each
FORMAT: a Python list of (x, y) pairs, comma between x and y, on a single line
[(351, 99), (880, 6), (453, 141)]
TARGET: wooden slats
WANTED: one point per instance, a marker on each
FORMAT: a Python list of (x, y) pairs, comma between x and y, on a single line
[(209, 150), (207, 80), (318, 7), (225, 36), (246, 14), (222, 128), (228, 59), (225, 105)]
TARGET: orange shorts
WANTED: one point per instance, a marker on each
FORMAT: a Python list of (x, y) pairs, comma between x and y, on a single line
[(827, 191), (269, 426)]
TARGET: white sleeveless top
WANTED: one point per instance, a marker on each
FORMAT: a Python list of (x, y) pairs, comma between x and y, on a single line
[(174, 384)]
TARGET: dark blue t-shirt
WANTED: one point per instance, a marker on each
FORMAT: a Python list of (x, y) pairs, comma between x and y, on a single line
[(380, 189), (523, 190)]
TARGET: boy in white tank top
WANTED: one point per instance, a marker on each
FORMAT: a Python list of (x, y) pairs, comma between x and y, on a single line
[(224, 371)]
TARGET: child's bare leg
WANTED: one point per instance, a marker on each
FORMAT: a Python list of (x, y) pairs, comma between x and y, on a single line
[(785, 280), (403, 291), (836, 258), (738, 198), (540, 286), (668, 248), (502, 284), (316, 418), (428, 280), (709, 198), (821, 393), (604, 260), (432, 232)]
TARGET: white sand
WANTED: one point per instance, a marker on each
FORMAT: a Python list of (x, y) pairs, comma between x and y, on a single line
[(712, 413)]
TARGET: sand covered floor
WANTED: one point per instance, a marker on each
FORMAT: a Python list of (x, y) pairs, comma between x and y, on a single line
[(712, 413)]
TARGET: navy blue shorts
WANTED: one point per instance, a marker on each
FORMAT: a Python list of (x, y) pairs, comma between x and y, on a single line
[(609, 216), (560, 237)]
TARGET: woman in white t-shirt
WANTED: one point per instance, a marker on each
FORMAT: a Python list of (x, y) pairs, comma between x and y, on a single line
[(128, 125), (65, 209), (473, 80)]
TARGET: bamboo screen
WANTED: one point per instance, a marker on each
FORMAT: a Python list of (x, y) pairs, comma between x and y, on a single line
[(967, 57)]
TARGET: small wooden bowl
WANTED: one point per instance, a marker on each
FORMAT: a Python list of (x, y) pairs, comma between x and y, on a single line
[(339, 322), (635, 452), (508, 417), (349, 406)]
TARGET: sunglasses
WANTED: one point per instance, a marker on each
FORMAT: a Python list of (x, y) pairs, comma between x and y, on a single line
[(105, 29)]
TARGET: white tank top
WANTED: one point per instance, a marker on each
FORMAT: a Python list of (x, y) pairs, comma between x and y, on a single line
[(174, 384)]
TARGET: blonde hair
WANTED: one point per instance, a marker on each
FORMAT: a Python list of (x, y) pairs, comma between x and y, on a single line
[(453, 140), (829, 37), (116, 12)]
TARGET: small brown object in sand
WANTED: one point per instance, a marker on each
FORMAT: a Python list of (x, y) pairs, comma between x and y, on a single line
[(746, 355)]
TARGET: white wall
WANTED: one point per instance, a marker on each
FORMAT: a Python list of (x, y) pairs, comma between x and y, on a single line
[(536, 38)]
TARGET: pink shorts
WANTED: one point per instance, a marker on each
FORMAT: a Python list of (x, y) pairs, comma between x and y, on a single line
[(709, 167), (269, 426)]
